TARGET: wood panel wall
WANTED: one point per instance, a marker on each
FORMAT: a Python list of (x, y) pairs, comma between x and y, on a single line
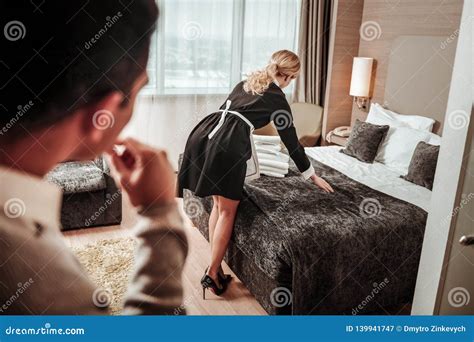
[(402, 17), (347, 17), (384, 20)]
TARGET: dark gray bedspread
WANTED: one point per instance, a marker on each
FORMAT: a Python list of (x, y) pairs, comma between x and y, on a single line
[(351, 252)]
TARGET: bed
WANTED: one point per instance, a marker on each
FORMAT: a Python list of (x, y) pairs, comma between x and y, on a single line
[(301, 251)]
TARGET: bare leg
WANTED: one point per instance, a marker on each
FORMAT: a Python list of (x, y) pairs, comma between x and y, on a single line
[(213, 219), (225, 223), (212, 224)]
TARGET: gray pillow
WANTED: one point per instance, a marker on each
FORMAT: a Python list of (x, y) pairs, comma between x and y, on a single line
[(365, 140), (423, 165)]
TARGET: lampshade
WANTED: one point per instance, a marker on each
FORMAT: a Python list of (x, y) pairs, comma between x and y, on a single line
[(361, 75)]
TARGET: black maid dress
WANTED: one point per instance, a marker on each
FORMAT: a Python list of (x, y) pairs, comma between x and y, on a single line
[(216, 153)]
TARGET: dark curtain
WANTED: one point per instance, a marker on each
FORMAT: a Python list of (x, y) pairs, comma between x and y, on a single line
[(315, 23)]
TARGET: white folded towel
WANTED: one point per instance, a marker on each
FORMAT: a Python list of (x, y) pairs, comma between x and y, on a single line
[(272, 174), (263, 149), (274, 164), (269, 139), (271, 161), (277, 156), (268, 148), (273, 169)]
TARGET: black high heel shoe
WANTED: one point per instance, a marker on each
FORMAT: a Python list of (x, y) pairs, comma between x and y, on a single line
[(224, 278), (208, 283)]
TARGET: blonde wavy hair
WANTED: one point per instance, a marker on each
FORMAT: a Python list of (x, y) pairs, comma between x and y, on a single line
[(282, 63)]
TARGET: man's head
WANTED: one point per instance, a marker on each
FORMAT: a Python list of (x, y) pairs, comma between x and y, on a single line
[(71, 67)]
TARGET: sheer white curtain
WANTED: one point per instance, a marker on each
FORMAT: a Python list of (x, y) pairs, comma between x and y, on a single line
[(202, 48), (270, 25)]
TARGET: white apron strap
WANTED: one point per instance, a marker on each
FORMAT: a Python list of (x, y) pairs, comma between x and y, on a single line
[(222, 119), (253, 167)]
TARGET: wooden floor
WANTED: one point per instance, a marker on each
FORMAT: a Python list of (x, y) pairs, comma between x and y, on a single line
[(236, 301)]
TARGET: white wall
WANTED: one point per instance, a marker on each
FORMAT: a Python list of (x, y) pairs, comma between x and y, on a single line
[(447, 181)]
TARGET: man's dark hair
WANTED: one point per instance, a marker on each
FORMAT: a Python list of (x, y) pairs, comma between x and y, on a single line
[(59, 55)]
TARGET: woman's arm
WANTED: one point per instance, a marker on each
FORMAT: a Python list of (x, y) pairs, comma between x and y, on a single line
[(283, 120), (280, 113), (295, 149)]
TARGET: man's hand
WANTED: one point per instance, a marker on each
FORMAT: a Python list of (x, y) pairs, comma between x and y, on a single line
[(143, 172)]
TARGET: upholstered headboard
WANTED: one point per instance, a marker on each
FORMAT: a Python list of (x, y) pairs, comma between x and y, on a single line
[(419, 76)]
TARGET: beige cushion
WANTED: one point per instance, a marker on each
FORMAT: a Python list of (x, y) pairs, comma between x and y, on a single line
[(307, 119)]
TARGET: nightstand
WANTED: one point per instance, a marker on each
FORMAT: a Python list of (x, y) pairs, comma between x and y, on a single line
[(336, 139)]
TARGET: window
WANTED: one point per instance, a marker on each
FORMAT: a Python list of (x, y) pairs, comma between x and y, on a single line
[(207, 46)]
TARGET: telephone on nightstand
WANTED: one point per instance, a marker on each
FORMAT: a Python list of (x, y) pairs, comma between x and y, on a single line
[(343, 131), (339, 135)]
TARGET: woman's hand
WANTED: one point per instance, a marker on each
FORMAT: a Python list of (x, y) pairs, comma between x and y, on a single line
[(321, 183)]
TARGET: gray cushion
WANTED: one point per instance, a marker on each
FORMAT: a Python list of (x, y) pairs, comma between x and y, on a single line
[(365, 140), (74, 177), (423, 165)]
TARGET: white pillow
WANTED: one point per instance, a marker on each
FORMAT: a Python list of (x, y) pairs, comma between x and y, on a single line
[(434, 139), (381, 116), (398, 146)]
